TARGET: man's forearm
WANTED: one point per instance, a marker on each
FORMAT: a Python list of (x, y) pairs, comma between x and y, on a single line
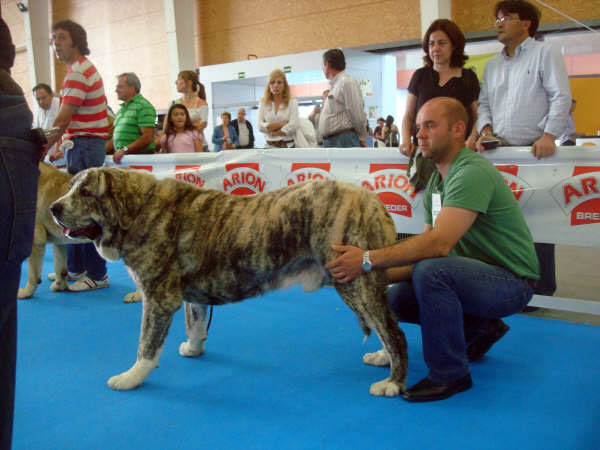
[(410, 251)]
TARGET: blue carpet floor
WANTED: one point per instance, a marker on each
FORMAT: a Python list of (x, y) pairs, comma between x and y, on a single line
[(284, 372)]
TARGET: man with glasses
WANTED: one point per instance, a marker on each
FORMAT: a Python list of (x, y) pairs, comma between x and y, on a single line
[(525, 99), (83, 118)]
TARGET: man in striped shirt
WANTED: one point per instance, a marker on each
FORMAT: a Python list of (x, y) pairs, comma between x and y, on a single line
[(83, 120), (134, 124)]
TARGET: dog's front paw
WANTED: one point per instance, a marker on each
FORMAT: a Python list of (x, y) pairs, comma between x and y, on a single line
[(379, 358), (133, 297), (26, 292), (133, 377), (187, 349), (58, 286), (385, 388)]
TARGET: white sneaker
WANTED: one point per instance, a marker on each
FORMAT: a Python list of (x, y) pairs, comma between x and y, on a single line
[(70, 276), (85, 283)]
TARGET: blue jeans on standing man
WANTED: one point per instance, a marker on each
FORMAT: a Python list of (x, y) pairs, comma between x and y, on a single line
[(453, 298), (87, 152), (347, 139), (19, 173)]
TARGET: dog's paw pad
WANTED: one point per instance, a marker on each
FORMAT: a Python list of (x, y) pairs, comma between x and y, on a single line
[(385, 388), (58, 287), (186, 349), (378, 358)]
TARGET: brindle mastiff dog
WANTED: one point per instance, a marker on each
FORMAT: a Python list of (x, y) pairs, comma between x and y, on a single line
[(180, 242)]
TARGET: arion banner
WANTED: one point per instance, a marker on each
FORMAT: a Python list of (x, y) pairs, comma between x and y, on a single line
[(559, 195)]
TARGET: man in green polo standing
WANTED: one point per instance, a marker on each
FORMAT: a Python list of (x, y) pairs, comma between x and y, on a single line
[(134, 124)]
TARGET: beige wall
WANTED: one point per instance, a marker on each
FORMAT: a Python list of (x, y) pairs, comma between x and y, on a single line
[(14, 19), (230, 30), (478, 15), (123, 36)]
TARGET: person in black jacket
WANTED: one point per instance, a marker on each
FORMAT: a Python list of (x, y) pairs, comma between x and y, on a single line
[(20, 153), (246, 137)]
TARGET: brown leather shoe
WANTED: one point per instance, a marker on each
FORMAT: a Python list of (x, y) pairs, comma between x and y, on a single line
[(483, 343), (428, 390)]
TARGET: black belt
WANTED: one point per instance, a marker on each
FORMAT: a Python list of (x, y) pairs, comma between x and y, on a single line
[(337, 133), (531, 282)]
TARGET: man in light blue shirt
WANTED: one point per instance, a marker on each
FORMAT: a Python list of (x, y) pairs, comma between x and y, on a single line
[(525, 95), (525, 100)]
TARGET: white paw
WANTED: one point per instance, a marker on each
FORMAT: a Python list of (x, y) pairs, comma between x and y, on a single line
[(133, 377), (133, 297), (25, 292), (385, 388), (57, 287), (187, 349), (379, 358)]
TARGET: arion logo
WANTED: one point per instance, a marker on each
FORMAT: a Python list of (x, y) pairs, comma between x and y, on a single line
[(302, 172), (244, 179), (390, 183), (579, 195), (189, 174), (148, 168), (519, 187)]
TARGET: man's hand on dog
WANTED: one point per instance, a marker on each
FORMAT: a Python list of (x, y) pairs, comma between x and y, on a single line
[(348, 266)]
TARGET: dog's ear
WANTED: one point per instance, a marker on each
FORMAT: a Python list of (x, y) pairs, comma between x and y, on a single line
[(112, 183)]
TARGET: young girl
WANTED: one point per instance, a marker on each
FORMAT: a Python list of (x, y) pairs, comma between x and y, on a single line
[(179, 135)]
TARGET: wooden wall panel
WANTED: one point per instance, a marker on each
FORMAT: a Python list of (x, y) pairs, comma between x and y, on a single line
[(230, 31), (478, 15), (123, 36), (16, 24)]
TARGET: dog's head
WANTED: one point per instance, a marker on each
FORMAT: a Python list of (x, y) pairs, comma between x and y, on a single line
[(101, 205)]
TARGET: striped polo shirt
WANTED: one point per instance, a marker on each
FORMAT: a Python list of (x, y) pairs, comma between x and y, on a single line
[(83, 87), (133, 115)]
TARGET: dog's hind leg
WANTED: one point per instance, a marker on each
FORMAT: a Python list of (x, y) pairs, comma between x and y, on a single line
[(366, 297), (156, 320), (34, 271), (59, 254), (195, 330)]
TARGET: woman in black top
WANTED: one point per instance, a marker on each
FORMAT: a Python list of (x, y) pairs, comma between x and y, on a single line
[(442, 76)]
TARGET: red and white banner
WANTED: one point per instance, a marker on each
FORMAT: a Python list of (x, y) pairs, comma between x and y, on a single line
[(559, 196)]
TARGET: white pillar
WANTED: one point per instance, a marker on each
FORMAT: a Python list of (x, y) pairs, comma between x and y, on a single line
[(37, 40), (389, 85), (180, 18), (432, 10)]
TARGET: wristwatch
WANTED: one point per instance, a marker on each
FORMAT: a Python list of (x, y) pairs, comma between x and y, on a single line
[(125, 150), (367, 266)]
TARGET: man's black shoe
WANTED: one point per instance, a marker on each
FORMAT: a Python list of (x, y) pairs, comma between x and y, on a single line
[(428, 390), (483, 343)]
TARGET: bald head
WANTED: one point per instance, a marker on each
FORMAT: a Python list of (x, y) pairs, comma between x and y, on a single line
[(449, 108), (442, 124)]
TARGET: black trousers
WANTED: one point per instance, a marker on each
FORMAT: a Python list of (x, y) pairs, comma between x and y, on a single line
[(546, 285), (10, 272)]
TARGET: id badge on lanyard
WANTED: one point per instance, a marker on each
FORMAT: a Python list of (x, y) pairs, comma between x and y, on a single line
[(436, 206)]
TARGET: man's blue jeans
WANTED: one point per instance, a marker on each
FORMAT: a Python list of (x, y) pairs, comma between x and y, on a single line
[(87, 152), (347, 139), (453, 298)]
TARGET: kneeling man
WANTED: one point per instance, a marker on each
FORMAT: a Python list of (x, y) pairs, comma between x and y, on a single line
[(474, 263)]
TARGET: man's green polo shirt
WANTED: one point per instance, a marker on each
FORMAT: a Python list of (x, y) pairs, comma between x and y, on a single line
[(133, 115)]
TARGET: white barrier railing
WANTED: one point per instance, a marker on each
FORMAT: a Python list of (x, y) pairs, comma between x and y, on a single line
[(559, 195)]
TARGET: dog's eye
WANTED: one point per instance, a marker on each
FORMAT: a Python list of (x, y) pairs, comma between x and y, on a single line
[(85, 192)]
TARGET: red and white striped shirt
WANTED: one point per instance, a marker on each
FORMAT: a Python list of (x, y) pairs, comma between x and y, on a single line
[(83, 87)]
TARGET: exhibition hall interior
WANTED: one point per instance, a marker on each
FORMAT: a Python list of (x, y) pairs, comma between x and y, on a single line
[(465, 278)]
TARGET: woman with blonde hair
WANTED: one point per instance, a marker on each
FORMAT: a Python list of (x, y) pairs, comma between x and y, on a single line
[(194, 99), (278, 112)]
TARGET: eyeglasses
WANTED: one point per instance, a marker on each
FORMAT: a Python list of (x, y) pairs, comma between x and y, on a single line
[(502, 20)]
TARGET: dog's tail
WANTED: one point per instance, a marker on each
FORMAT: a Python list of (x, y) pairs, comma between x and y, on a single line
[(365, 329)]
